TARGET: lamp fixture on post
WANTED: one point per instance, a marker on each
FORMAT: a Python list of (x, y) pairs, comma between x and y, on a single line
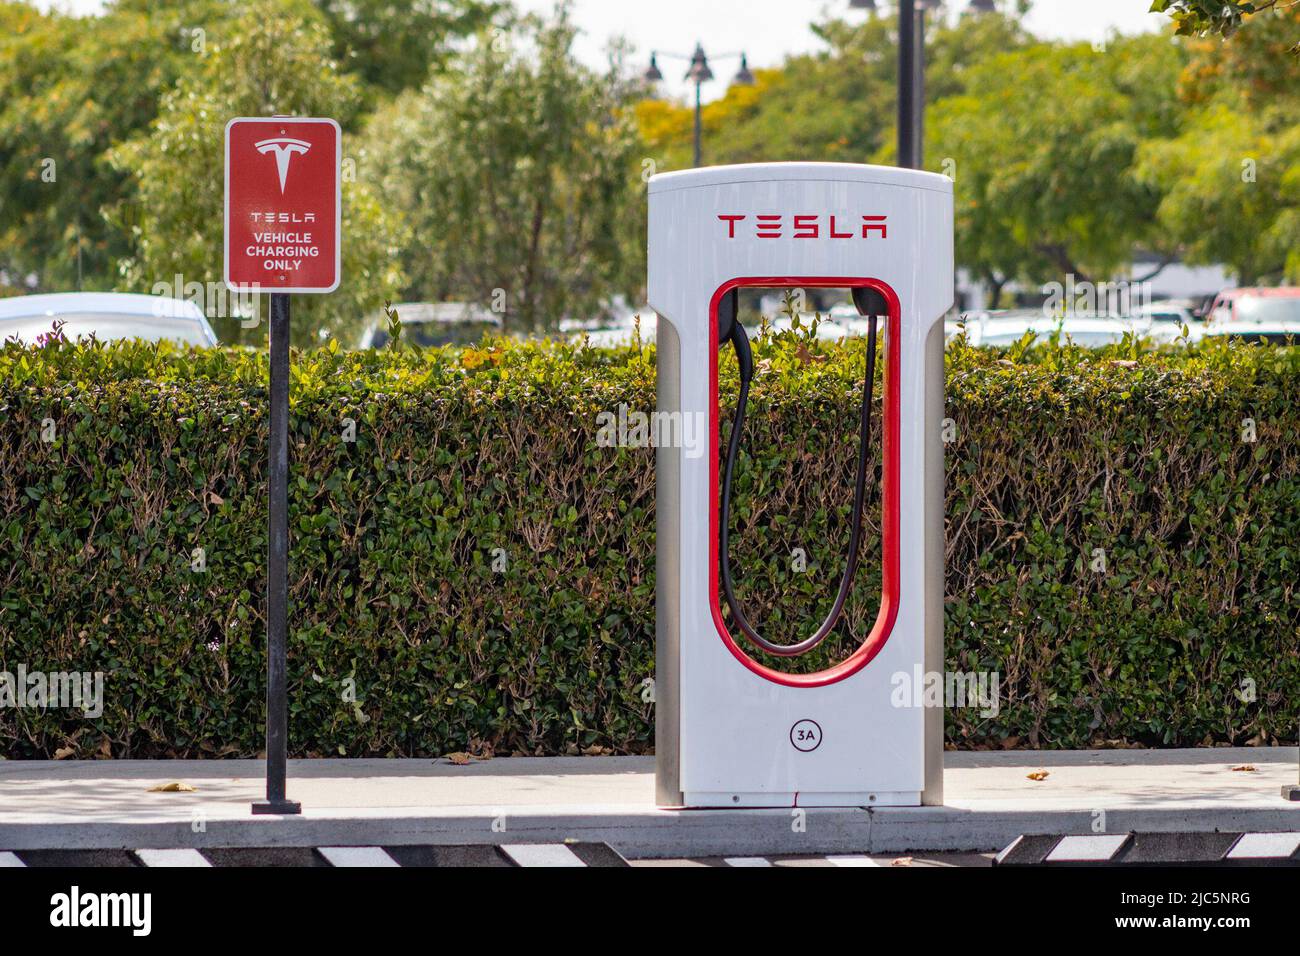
[(698, 73)]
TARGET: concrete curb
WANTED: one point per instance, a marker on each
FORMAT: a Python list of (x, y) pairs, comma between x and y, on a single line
[(992, 799), (645, 834)]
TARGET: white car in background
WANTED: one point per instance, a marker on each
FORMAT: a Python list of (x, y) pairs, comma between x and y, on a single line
[(844, 320), (1167, 322), (108, 316), (618, 331), (829, 328), (619, 336), (433, 324), (1002, 329)]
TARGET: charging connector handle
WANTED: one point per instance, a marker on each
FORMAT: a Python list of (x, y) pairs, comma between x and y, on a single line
[(745, 359)]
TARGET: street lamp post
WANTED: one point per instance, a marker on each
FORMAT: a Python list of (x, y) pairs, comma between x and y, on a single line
[(908, 109), (911, 72), (699, 74), (911, 81)]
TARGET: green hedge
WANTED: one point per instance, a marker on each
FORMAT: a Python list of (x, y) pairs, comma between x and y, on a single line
[(394, 592)]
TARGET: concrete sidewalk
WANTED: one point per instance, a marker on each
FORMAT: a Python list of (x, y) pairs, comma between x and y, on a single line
[(989, 800)]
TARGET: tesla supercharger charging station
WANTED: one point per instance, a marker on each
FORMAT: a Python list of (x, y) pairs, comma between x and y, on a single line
[(730, 730)]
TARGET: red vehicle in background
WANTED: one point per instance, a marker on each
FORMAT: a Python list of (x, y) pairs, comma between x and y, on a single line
[(1255, 314)]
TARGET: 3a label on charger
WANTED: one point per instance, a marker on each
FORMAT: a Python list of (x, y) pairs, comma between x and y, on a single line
[(806, 735)]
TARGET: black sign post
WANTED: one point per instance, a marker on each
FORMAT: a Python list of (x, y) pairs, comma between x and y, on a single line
[(277, 570), (1292, 792), (283, 231)]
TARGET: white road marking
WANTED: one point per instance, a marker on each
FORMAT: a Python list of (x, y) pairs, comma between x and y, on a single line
[(1086, 849), (1265, 846), (747, 861), (357, 856), (541, 854), (172, 858), (9, 859), (851, 861)]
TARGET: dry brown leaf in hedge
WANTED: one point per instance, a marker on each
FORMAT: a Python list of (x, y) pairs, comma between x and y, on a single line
[(64, 752), (1245, 768), (1039, 775), (805, 356), (174, 787), (215, 498)]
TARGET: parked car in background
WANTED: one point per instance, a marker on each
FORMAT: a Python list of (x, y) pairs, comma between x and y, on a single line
[(1255, 314), (432, 324), (619, 332), (828, 329), (619, 336), (616, 327), (108, 316), (1001, 329), (1167, 322), (844, 320), (953, 325), (966, 322)]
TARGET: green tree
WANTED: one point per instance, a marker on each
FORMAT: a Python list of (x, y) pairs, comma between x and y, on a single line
[(837, 105), (1232, 193), (391, 44), (831, 106), (518, 170), (70, 89), (1222, 17), (1231, 180), (275, 60), (1043, 147), (1258, 68)]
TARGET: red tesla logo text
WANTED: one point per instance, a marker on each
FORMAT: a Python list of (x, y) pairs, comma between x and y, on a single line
[(808, 226)]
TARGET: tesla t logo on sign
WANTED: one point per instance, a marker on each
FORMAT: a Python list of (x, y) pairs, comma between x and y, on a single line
[(283, 209)]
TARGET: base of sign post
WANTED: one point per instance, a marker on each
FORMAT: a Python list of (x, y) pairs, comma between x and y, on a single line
[(1291, 793), (276, 808)]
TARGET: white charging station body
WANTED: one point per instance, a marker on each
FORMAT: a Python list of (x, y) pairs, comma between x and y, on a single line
[(730, 731)]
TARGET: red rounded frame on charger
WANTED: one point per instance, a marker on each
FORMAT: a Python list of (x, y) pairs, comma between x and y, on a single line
[(889, 592)]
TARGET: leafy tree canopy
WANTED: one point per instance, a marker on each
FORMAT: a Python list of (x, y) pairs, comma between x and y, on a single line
[(1222, 17), (275, 60), (837, 105), (518, 169), (71, 88), (392, 45), (1042, 147)]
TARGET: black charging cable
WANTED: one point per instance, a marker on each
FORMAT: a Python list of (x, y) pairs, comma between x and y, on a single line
[(871, 304)]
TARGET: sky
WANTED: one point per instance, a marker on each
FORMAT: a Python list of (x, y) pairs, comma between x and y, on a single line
[(766, 30)]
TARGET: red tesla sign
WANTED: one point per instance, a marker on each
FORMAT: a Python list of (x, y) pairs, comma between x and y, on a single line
[(283, 208)]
